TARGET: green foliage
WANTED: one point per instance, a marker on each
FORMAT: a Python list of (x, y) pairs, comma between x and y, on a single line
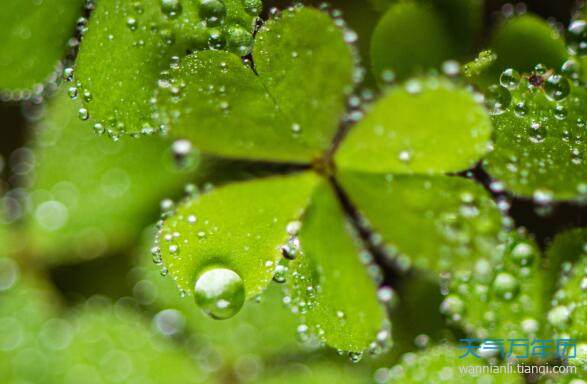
[(90, 195), (568, 315), (524, 41), (316, 374), (441, 364), (463, 18), (34, 40), (113, 344), (27, 327), (428, 126), (328, 285), (131, 44), (239, 226), (324, 187), (268, 114), (264, 328), (503, 294), (538, 146), (409, 38), (440, 223)]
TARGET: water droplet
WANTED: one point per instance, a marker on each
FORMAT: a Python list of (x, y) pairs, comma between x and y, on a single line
[(216, 38), (505, 285), (497, 99), (171, 8), (510, 79), (405, 156), (451, 68), (83, 114), (220, 292), (558, 316), (557, 88), (280, 274), (212, 12), (355, 357), (132, 23), (537, 133), (72, 93), (239, 41), (523, 254), (293, 227), (560, 112), (521, 109), (577, 37)]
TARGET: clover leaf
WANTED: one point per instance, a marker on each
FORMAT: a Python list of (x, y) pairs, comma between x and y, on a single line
[(522, 293), (131, 44), (539, 145), (268, 113), (227, 244), (35, 38)]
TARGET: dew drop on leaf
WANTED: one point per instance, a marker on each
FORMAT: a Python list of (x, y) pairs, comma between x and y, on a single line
[(505, 285), (171, 8), (557, 88), (239, 41), (510, 79), (497, 99), (212, 11), (220, 292)]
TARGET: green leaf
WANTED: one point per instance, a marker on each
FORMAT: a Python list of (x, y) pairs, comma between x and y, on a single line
[(111, 344), (90, 195), (264, 328), (463, 18), (410, 38), (503, 294), (524, 41), (127, 47), (537, 153), (34, 40), (316, 373), (428, 126), (568, 315), (432, 365), (28, 308), (329, 286), (440, 223), (238, 226), (286, 111)]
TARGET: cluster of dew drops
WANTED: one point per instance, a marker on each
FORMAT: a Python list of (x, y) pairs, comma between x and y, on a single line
[(556, 86), (214, 33)]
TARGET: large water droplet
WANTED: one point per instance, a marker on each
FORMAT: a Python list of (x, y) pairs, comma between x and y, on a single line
[(510, 79), (497, 99), (212, 11), (220, 293), (557, 88)]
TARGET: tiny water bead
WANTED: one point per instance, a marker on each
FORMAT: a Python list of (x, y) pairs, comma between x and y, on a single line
[(497, 99), (220, 292), (577, 37), (510, 79), (557, 88)]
